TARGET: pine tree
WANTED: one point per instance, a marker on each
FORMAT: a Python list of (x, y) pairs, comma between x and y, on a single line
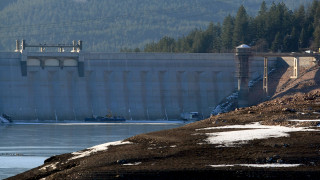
[(240, 27), (260, 21), (303, 39), (316, 38), (276, 44), (227, 33)]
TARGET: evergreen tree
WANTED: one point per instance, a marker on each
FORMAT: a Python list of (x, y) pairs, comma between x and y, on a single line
[(216, 42), (227, 33), (260, 21), (240, 27), (303, 39), (316, 38), (276, 44)]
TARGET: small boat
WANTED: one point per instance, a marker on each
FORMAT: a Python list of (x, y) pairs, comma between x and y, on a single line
[(105, 119), (190, 116), (5, 119)]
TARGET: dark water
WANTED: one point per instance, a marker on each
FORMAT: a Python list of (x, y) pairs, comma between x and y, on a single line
[(26, 145)]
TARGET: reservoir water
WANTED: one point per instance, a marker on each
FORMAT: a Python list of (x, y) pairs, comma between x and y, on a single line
[(26, 145)]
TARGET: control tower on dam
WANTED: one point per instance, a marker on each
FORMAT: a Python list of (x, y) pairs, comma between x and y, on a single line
[(75, 85)]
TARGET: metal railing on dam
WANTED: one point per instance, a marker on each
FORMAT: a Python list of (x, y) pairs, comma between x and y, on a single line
[(68, 86)]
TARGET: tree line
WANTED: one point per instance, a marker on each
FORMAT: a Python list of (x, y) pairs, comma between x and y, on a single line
[(275, 28)]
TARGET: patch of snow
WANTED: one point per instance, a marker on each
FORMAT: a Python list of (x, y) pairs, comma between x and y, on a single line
[(173, 146), (225, 107), (222, 165), (270, 165), (132, 164), (258, 165), (94, 149), (251, 132), (52, 166), (296, 120), (4, 120)]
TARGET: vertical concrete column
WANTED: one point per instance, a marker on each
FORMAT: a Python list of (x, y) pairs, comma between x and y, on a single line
[(23, 63), (173, 108), (242, 59), (52, 97), (144, 95), (155, 107), (107, 89), (265, 77), (151, 107), (126, 85), (119, 106), (72, 114), (42, 95), (31, 109), (179, 91), (90, 92), (203, 83), (17, 46), (96, 85), (163, 93), (65, 112), (135, 95), (216, 86), (81, 69), (185, 92), (82, 107), (295, 68)]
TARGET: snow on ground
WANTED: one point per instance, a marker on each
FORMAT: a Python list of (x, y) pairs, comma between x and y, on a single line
[(244, 133), (132, 164), (94, 149), (258, 165), (226, 106), (296, 120), (52, 166)]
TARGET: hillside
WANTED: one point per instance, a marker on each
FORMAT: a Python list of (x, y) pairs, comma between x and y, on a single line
[(112, 25)]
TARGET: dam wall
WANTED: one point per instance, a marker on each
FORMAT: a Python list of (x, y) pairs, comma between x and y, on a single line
[(72, 86)]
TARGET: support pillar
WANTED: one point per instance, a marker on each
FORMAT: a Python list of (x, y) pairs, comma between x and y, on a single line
[(17, 46), (265, 77), (243, 53), (295, 68)]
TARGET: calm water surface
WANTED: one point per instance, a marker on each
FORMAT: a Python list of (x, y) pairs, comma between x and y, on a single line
[(26, 145)]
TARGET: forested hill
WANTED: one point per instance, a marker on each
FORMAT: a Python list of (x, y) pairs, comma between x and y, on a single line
[(275, 28), (109, 25)]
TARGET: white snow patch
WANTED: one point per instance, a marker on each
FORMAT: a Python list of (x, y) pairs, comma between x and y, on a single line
[(225, 107), (222, 165), (251, 132), (132, 164), (271, 165), (94, 149), (296, 120), (173, 146), (52, 166), (258, 165)]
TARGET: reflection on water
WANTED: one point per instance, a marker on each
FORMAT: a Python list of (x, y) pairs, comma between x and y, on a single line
[(27, 145)]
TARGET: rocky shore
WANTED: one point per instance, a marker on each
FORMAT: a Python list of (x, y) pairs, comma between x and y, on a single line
[(276, 139)]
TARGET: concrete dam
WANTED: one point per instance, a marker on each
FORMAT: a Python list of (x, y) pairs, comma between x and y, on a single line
[(72, 86)]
